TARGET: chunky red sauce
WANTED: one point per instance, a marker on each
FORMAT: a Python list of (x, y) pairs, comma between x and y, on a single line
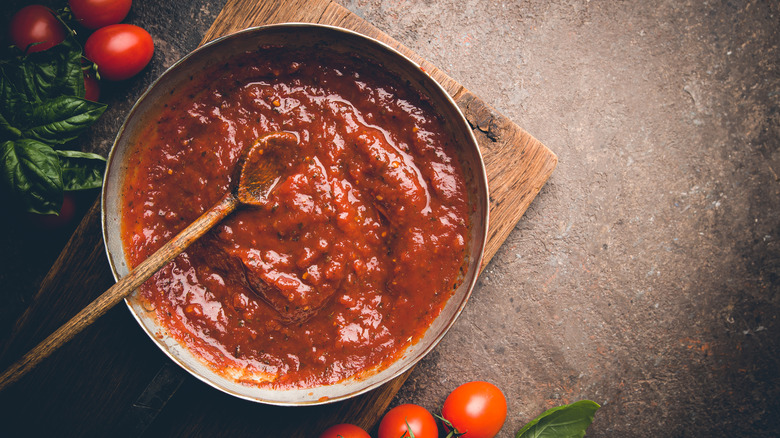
[(355, 251)]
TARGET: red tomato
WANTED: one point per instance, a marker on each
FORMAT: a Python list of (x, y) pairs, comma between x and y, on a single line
[(477, 409), (91, 88), (344, 431), (94, 14), (36, 24), (119, 50), (64, 219), (420, 421)]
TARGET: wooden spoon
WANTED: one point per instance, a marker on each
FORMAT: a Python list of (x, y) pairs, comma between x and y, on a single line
[(257, 175)]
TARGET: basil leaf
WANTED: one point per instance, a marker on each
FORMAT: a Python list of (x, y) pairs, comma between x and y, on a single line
[(31, 172), (27, 82), (7, 131), (62, 119), (57, 71), (42, 105), (568, 421), (81, 170), (14, 101), (40, 76)]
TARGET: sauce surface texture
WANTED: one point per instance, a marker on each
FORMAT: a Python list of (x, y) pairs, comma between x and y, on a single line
[(353, 254)]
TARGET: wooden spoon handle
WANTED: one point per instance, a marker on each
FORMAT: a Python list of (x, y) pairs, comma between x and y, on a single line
[(120, 290)]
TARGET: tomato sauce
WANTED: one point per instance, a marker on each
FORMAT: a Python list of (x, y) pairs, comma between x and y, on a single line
[(352, 255)]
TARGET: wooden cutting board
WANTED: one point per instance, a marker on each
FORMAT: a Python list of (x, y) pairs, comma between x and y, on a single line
[(126, 382)]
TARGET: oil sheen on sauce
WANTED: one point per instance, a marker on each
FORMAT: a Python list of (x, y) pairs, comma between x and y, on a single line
[(355, 251)]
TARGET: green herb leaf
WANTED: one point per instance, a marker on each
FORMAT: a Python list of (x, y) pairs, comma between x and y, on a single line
[(62, 119), (40, 76), (57, 71), (7, 131), (81, 170), (14, 102), (42, 105), (31, 173), (29, 84), (568, 421)]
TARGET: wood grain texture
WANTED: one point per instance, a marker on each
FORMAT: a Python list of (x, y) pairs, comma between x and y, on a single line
[(93, 379), (517, 165), (81, 262), (122, 288)]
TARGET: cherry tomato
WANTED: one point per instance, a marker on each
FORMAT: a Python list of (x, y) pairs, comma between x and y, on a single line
[(119, 50), (94, 14), (477, 409), (36, 24), (420, 421), (59, 221), (344, 431), (91, 88)]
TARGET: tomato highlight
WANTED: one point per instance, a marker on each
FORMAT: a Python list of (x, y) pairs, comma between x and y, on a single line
[(475, 410), (120, 51), (410, 421), (35, 28)]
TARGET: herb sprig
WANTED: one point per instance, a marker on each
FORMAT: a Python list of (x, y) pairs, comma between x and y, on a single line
[(42, 109), (567, 421)]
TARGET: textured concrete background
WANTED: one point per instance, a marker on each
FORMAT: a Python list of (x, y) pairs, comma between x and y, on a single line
[(646, 275)]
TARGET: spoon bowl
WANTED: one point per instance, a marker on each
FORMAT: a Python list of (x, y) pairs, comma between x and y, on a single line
[(259, 167)]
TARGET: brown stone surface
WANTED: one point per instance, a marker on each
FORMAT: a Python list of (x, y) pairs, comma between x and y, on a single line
[(645, 276)]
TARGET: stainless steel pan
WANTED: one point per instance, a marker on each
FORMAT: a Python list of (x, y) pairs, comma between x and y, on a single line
[(295, 35)]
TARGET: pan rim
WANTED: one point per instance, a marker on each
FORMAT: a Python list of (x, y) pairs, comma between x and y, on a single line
[(483, 198)]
